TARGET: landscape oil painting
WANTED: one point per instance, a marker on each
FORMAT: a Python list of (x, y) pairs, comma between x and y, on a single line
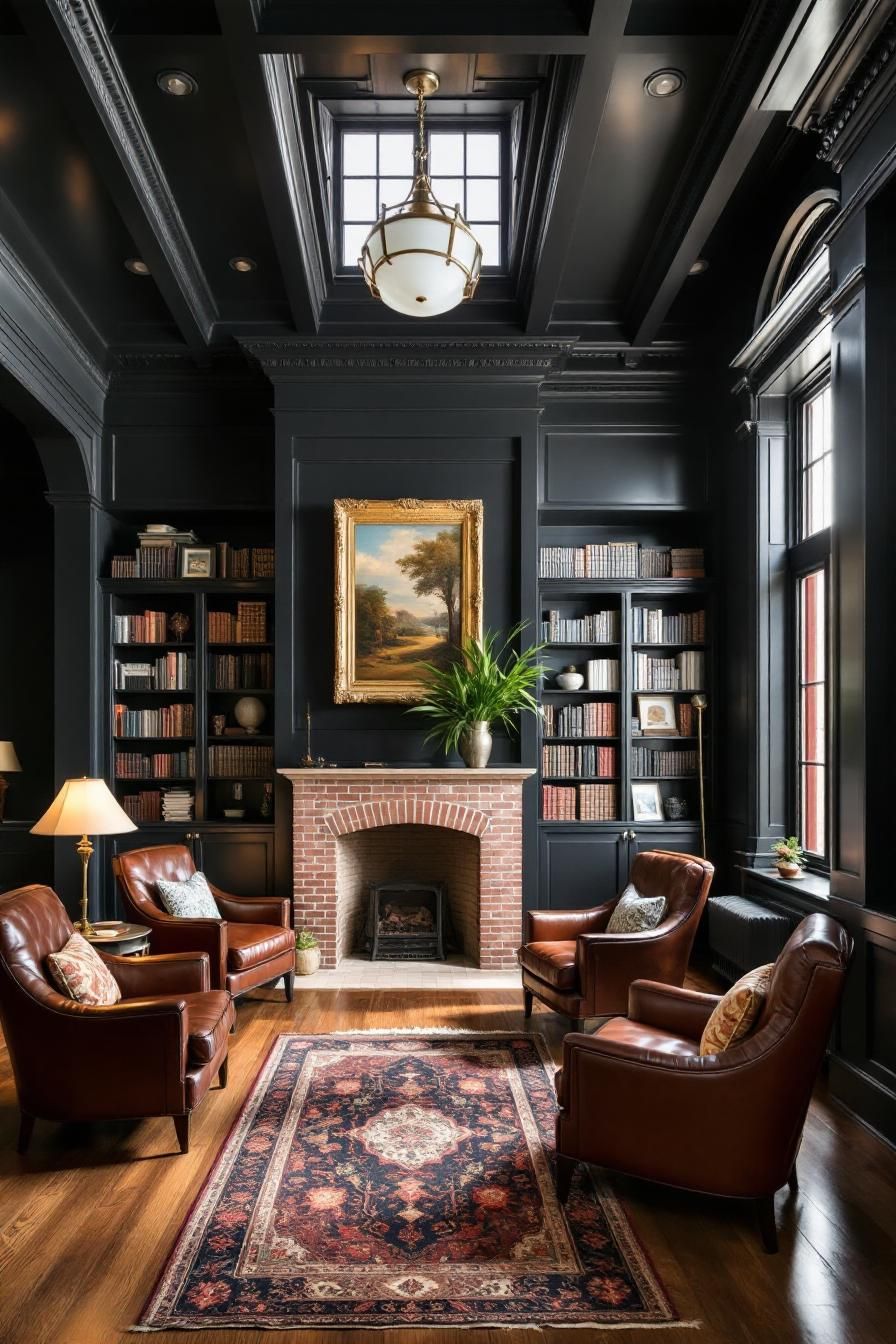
[(408, 592)]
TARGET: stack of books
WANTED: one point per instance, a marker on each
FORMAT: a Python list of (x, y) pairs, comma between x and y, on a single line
[(158, 550), (177, 805)]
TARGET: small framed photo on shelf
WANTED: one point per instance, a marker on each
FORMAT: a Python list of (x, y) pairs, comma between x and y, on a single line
[(657, 715), (647, 802), (197, 562)]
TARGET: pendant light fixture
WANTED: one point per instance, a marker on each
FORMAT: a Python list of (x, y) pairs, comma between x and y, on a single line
[(420, 257)]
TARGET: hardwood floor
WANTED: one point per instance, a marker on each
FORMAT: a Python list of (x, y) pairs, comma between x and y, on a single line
[(88, 1218)]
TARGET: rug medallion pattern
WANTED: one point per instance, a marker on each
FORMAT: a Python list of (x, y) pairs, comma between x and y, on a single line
[(401, 1181)]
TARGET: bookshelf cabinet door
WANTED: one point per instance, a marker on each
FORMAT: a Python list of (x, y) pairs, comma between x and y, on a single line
[(240, 862), (685, 840), (580, 870)]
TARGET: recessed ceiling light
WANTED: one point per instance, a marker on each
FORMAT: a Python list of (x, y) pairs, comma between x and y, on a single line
[(136, 266), (698, 267), (664, 83), (242, 264), (176, 82)]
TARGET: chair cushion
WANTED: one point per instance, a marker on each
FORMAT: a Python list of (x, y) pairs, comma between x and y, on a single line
[(191, 899), (250, 944), (209, 1017), (639, 1036), (635, 913), (80, 974), (737, 1012), (554, 963)]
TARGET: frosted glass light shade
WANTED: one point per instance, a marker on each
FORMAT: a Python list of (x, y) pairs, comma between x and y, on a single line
[(9, 761), (83, 807), (420, 258)]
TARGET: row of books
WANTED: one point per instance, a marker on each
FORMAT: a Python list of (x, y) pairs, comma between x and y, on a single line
[(240, 671), (666, 764), (244, 562), (241, 762), (621, 560), (602, 674), (171, 672), (601, 627), (158, 556), (175, 720), (579, 802), (597, 718), (143, 806), (248, 626), (150, 628), (581, 762), (159, 765), (683, 672), (655, 626)]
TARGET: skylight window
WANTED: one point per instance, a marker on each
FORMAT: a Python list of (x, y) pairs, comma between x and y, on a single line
[(465, 168)]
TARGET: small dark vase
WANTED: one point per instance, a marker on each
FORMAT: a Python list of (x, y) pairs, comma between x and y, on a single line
[(179, 623), (676, 809)]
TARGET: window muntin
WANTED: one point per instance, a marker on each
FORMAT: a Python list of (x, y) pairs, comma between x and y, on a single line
[(812, 712), (816, 463), (465, 169)]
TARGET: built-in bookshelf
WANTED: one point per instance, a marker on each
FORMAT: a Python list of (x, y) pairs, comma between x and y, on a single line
[(183, 654), (629, 610)]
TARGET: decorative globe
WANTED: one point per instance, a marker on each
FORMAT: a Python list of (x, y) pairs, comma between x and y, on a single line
[(249, 713)]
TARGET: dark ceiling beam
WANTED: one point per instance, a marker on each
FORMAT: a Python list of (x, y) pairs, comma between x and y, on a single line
[(571, 156), (80, 62), (267, 95), (378, 44), (731, 131)]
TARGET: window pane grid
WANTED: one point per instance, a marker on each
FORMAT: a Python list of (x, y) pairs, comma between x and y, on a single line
[(816, 464), (465, 170), (812, 708)]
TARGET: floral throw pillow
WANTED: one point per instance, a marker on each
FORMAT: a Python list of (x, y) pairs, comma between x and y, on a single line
[(736, 1014), (188, 900), (635, 913), (80, 974)]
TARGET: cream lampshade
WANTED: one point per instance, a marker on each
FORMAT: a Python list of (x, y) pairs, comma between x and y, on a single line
[(9, 764), (84, 807)]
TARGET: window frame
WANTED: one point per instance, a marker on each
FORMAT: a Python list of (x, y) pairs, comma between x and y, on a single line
[(805, 556), (469, 125)]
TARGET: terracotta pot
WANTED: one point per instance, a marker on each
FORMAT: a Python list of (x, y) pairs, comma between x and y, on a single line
[(789, 870), (307, 960)]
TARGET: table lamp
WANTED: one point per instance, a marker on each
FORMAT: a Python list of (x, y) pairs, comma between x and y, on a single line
[(84, 807), (9, 764)]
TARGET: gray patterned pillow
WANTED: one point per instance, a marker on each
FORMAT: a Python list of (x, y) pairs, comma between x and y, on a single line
[(188, 900), (635, 913)]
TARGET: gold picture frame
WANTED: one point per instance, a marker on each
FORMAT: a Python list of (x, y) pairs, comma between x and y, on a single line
[(413, 607)]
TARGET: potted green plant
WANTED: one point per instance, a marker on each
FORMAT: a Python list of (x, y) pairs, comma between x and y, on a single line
[(490, 683), (790, 857), (307, 953)]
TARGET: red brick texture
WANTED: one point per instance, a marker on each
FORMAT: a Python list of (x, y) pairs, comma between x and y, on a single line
[(330, 808)]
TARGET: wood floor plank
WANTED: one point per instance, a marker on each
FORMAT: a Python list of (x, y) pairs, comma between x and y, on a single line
[(89, 1217)]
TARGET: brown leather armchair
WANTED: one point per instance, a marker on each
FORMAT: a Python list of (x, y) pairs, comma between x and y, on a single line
[(154, 1053), (254, 944), (573, 965), (638, 1097)]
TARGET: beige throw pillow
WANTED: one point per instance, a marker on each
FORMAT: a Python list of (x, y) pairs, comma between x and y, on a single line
[(80, 974), (635, 913), (736, 1014)]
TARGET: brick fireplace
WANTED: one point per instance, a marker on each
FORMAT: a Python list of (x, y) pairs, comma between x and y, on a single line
[(463, 827)]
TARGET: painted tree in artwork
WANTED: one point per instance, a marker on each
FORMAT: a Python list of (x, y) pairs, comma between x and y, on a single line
[(374, 622), (433, 566)]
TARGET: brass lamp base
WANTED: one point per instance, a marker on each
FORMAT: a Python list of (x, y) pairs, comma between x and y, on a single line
[(84, 849)]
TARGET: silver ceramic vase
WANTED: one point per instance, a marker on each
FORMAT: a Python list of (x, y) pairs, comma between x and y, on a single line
[(475, 745)]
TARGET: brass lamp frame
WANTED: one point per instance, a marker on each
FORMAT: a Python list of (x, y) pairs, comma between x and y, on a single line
[(421, 203)]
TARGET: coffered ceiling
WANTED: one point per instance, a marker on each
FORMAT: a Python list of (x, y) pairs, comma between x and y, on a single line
[(616, 192)]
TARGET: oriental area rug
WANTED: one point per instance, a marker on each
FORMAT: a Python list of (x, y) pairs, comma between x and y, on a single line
[(395, 1180)]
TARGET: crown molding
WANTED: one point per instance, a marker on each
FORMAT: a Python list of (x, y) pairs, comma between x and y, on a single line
[(84, 33), (302, 358), (618, 371)]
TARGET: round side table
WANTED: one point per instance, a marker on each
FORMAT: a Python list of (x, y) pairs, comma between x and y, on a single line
[(131, 940)]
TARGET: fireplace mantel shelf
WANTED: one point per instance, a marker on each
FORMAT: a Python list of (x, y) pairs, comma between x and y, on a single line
[(447, 774)]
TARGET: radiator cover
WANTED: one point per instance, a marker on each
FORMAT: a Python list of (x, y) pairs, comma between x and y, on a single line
[(743, 934)]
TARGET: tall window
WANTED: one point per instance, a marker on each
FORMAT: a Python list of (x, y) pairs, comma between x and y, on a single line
[(465, 168), (810, 565)]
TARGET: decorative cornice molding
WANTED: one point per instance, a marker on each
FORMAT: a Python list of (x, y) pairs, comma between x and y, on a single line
[(801, 303), (845, 293), (85, 35), (617, 371), (860, 101), (299, 357)]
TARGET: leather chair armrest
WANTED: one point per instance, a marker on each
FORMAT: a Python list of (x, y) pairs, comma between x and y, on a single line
[(174, 973), (560, 926), (623, 956), (685, 1012), (253, 909), (193, 935)]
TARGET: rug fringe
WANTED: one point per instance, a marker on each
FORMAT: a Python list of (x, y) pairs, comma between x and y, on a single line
[(594, 1326), (419, 1031)]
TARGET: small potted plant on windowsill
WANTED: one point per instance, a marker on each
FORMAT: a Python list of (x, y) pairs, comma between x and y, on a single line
[(489, 683), (790, 858), (307, 953)]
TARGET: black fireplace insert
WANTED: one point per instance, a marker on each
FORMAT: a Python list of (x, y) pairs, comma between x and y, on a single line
[(407, 921)]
